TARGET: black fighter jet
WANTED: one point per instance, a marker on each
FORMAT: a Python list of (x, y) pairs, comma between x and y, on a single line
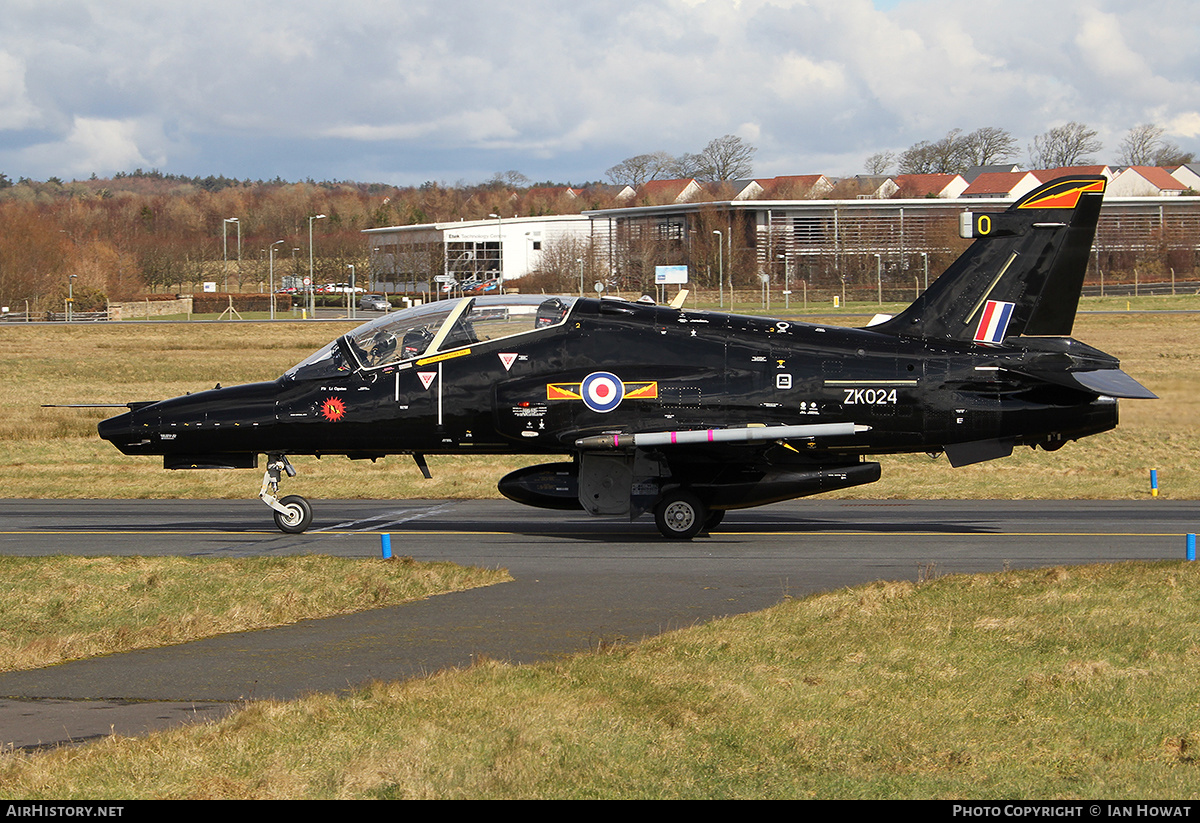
[(686, 413)]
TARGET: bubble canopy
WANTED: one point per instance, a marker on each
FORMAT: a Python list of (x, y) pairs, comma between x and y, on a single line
[(431, 329)]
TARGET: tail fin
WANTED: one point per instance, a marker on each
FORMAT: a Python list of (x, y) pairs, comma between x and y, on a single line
[(1022, 275)]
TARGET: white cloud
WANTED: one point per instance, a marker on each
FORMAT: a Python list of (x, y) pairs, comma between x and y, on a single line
[(818, 82), (98, 145), (1186, 124), (16, 109)]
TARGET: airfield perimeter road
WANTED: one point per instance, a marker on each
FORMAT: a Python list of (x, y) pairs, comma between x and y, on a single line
[(579, 582)]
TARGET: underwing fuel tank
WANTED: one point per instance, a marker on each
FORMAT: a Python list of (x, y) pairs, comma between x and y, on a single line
[(546, 486)]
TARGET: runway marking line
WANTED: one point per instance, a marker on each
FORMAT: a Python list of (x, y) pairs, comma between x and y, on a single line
[(461, 533)]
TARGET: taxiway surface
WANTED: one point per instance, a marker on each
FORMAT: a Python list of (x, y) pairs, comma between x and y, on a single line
[(578, 583)]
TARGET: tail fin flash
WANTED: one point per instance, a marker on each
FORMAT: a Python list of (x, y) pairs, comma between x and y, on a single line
[(1022, 275)]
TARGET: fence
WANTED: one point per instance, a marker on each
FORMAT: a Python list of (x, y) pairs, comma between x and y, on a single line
[(53, 317)]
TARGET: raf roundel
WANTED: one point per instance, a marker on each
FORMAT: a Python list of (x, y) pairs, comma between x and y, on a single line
[(602, 391)]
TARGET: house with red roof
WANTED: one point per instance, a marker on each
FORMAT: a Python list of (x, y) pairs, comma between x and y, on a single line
[(1005, 185), (1046, 175), (1144, 181), (914, 186), (664, 192), (794, 187)]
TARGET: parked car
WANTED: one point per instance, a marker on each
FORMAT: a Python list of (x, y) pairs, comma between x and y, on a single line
[(374, 302), (340, 288), (483, 287)]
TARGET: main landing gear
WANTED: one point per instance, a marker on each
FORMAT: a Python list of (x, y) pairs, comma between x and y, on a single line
[(680, 515), (293, 514)]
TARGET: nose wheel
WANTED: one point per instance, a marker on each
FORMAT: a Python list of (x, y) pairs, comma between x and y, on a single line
[(296, 517), (293, 514)]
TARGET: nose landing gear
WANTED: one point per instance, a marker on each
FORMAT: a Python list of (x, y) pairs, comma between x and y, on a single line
[(293, 514)]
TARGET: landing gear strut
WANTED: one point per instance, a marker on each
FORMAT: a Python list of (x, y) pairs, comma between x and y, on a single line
[(293, 514)]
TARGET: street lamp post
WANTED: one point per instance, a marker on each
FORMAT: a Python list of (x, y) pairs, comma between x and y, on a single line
[(499, 252), (225, 245), (787, 282), (720, 265), (731, 295), (70, 297), (312, 286), (272, 275), (353, 294), (579, 260), (925, 259), (879, 275)]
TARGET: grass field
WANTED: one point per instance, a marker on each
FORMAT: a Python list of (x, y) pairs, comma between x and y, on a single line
[(1054, 683), (67, 608), (55, 453)]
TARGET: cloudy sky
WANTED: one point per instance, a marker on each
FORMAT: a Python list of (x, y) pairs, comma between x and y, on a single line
[(404, 91)]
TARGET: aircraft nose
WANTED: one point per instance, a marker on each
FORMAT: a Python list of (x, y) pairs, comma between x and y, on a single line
[(117, 430), (126, 431)]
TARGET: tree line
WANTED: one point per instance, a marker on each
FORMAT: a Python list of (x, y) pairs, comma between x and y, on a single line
[(138, 232), (1072, 144)]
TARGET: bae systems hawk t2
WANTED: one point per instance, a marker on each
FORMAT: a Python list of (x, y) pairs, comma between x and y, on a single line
[(686, 413)]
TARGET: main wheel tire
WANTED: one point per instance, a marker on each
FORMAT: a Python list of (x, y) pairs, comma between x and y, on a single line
[(298, 517), (680, 515)]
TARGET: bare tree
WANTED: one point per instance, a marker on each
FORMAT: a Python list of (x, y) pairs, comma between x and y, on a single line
[(1069, 145), (879, 163), (947, 155), (511, 178), (724, 158), (636, 170), (728, 158), (1143, 146), (1169, 155), (692, 166), (564, 260), (917, 159), (988, 146), (1139, 145)]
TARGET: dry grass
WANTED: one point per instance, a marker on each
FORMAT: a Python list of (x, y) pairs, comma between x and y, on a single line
[(1059, 683), (65, 608)]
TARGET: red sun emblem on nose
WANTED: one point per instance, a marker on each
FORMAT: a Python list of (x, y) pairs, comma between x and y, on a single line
[(333, 409)]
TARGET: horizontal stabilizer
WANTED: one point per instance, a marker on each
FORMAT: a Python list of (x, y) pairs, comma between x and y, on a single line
[(1106, 382), (978, 451), (1113, 383)]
